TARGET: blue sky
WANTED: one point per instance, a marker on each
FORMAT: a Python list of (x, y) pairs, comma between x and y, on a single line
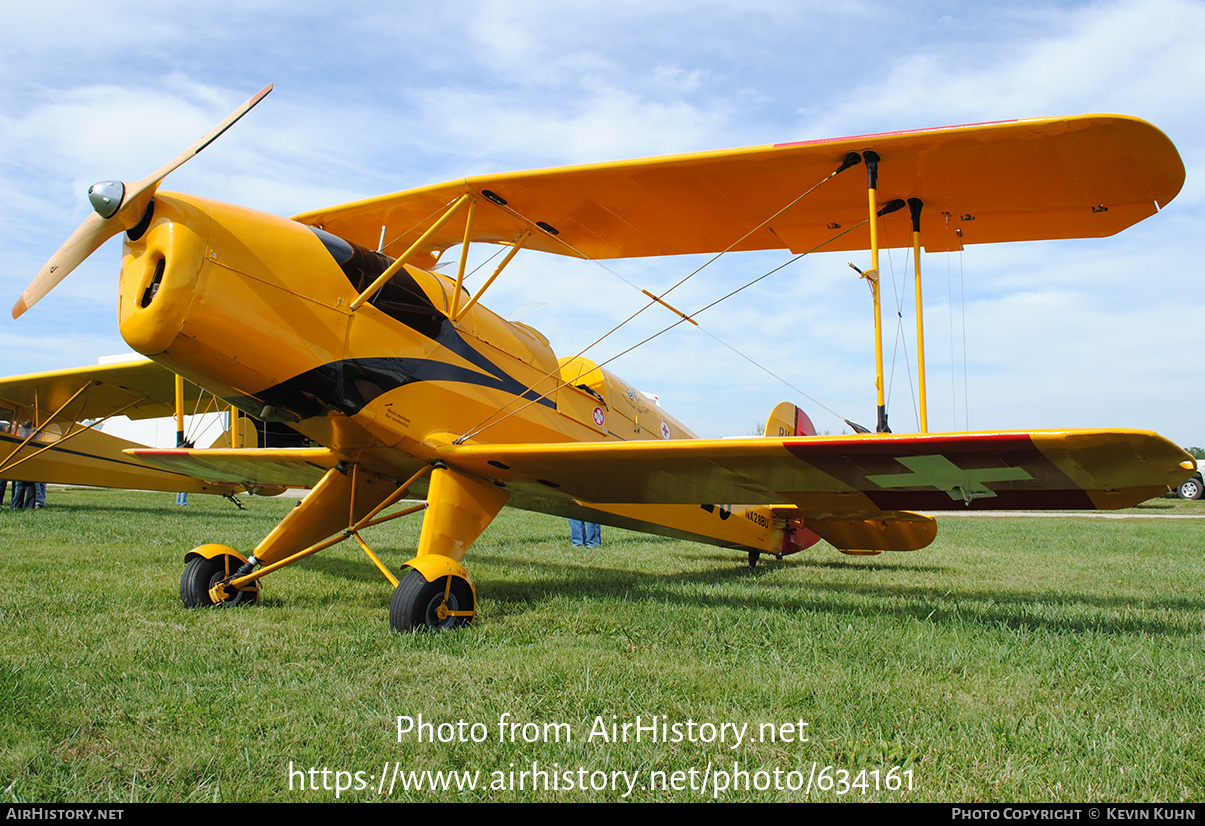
[(378, 97)]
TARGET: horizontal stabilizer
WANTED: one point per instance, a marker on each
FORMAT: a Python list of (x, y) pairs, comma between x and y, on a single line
[(897, 531)]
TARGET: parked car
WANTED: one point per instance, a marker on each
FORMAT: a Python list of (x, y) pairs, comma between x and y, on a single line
[(1194, 487)]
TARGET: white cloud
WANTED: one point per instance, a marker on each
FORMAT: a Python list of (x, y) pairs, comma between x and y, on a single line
[(1133, 57)]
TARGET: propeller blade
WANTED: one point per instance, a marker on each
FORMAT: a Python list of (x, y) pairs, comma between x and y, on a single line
[(188, 154), (95, 229), (86, 240)]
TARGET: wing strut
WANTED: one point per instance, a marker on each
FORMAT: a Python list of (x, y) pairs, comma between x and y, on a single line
[(916, 205), (393, 268), (178, 383), (872, 275), (464, 259), (516, 245)]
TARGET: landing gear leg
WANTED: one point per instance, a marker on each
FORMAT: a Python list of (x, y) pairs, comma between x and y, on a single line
[(436, 594)]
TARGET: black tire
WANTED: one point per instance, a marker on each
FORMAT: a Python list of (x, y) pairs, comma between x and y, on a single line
[(1192, 489), (201, 574), (415, 603)]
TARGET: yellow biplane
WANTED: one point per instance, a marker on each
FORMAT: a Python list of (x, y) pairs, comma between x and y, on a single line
[(414, 390)]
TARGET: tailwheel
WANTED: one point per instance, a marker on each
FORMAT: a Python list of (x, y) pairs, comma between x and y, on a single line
[(433, 606), (201, 574)]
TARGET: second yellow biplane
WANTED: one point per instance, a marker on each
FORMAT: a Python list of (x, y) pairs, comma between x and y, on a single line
[(415, 390), (51, 427)]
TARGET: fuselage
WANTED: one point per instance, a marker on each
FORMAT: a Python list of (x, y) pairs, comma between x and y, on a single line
[(257, 309)]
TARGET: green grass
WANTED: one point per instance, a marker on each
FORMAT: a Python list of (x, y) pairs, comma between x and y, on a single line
[(1016, 659)]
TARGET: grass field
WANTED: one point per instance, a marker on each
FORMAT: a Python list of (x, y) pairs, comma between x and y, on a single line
[(1016, 659)]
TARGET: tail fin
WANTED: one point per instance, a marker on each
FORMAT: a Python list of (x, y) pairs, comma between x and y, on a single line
[(788, 420)]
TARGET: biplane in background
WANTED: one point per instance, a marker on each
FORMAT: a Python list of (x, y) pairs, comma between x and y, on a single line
[(52, 427), (412, 388)]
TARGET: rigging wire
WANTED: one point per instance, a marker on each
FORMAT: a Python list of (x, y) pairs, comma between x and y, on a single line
[(440, 210), (849, 160), (199, 426), (482, 426), (194, 431), (901, 338)]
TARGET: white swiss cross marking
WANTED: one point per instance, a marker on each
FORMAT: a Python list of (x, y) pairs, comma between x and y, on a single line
[(939, 472)]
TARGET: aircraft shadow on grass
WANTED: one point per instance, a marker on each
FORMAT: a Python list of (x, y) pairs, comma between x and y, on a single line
[(983, 608)]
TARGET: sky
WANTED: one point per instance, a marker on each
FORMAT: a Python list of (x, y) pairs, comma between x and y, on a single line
[(377, 97)]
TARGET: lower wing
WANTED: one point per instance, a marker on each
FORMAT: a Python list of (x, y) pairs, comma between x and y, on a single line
[(253, 468), (848, 475)]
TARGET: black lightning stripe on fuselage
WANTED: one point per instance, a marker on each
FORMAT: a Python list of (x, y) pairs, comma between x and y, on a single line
[(349, 384)]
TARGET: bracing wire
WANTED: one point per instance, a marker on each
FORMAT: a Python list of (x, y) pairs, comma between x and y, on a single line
[(901, 338), (199, 426), (486, 423)]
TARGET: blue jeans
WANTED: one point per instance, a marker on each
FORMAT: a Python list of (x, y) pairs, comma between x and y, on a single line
[(584, 533), (23, 495)]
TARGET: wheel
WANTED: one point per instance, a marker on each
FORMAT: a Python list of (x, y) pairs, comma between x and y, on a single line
[(753, 557), (415, 604), (201, 574), (1191, 489)]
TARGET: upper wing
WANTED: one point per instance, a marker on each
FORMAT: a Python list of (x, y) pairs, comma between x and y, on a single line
[(873, 474), (1085, 176), (139, 389)]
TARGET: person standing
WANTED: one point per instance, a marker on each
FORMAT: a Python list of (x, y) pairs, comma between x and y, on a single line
[(24, 493), (584, 534), (181, 442), (23, 496)]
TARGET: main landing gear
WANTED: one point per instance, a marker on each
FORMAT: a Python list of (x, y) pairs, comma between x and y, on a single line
[(436, 606), (201, 573), (435, 592)]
